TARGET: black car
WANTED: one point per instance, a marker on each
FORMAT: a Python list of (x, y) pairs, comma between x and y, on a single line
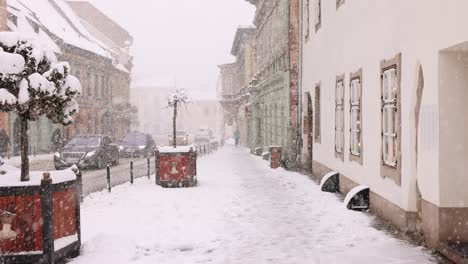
[(137, 144), (88, 151)]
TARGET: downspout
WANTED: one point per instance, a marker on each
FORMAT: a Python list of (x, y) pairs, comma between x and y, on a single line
[(299, 84), (294, 30)]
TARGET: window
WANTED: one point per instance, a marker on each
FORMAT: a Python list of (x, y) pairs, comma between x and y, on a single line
[(317, 128), (103, 87), (89, 81), (96, 85), (307, 19), (355, 97), (318, 14), (339, 3), (339, 116), (391, 119)]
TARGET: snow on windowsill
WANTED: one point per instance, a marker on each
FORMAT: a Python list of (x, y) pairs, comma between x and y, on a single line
[(65, 241), (12, 176), (181, 149)]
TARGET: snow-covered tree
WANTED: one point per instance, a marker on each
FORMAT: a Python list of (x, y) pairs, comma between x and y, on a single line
[(179, 97), (34, 84)]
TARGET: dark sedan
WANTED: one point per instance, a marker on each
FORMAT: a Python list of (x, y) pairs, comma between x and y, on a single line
[(88, 151), (137, 144)]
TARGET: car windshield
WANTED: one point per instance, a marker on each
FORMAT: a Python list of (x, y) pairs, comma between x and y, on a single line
[(134, 139), (181, 133), (91, 141)]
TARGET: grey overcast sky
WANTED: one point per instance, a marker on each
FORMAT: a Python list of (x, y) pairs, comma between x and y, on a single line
[(182, 40)]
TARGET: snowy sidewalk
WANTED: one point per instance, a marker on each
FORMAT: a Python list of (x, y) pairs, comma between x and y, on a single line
[(241, 212)]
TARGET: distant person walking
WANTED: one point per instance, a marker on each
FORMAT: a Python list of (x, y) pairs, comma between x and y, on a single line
[(237, 137), (4, 143), (57, 140)]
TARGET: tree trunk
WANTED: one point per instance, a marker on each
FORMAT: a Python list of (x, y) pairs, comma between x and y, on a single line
[(174, 126), (24, 150)]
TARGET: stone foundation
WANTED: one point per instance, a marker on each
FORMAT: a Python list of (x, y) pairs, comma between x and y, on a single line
[(444, 224)]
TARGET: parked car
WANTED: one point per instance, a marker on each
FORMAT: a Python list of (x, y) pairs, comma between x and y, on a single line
[(182, 138), (204, 135), (88, 151), (137, 144)]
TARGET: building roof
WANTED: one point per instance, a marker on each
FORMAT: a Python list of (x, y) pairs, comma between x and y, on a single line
[(239, 38), (102, 22), (227, 65), (57, 19)]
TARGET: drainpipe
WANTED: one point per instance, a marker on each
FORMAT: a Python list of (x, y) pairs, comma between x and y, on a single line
[(299, 83)]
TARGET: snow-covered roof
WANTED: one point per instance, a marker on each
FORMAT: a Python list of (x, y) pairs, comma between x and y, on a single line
[(59, 19), (120, 67)]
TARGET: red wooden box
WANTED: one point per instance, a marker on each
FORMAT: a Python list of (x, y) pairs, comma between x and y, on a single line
[(176, 167)]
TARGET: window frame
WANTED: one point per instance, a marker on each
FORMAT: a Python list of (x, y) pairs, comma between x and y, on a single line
[(388, 170), (352, 156), (340, 103), (317, 114), (318, 15)]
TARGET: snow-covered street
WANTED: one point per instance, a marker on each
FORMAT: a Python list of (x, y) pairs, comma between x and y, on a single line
[(241, 212)]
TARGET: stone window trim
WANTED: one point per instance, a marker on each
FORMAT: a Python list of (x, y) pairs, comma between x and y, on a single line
[(340, 103), (393, 172), (352, 157), (318, 15), (317, 119), (339, 3)]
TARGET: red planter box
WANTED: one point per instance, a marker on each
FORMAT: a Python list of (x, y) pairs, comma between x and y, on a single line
[(176, 167), (47, 221)]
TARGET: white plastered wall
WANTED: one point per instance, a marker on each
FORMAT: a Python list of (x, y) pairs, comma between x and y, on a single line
[(359, 35)]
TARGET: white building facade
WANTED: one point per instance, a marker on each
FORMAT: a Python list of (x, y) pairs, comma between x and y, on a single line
[(385, 89)]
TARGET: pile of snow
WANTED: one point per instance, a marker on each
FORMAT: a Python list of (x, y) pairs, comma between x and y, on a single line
[(181, 149), (6, 97), (11, 63), (10, 176)]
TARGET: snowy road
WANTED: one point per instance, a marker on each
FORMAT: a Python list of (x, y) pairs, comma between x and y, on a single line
[(242, 212), (93, 180)]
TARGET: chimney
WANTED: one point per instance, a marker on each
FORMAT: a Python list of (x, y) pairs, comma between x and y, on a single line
[(3, 15)]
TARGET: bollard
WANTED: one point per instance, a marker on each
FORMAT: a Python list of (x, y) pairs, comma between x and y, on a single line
[(108, 178), (131, 172), (156, 167), (47, 196), (79, 182), (149, 168)]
